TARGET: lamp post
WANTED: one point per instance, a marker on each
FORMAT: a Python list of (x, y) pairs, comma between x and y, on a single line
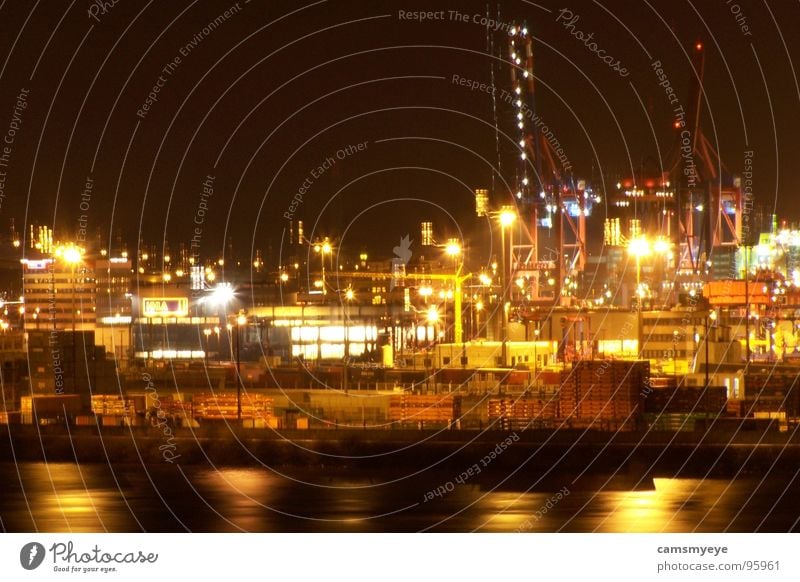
[(453, 250), (433, 317), (746, 305), (486, 282), (478, 309), (711, 315), (349, 296), (662, 247), (241, 320), (231, 347), (72, 255), (207, 333), (507, 217), (323, 248), (639, 247), (675, 357), (219, 297)]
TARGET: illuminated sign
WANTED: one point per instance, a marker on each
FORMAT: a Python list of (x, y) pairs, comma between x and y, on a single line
[(116, 320), (165, 306), (36, 265)]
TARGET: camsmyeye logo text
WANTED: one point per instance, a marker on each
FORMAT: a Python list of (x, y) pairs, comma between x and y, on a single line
[(31, 555), (66, 558)]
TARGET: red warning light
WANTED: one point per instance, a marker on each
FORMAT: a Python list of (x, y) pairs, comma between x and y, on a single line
[(699, 46), (676, 125)]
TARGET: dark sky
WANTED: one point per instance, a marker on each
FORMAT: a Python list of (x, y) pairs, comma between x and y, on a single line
[(275, 89)]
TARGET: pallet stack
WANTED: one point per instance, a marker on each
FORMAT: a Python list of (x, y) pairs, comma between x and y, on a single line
[(677, 421), (603, 393), (425, 409), (779, 393), (112, 405), (513, 414), (686, 399), (224, 406)]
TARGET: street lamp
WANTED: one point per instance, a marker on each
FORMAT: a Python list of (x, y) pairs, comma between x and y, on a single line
[(221, 295), (207, 333), (639, 247), (712, 316), (661, 246), (433, 317), (323, 248), (507, 217), (241, 320), (349, 296), (72, 255), (675, 356), (453, 250), (478, 309)]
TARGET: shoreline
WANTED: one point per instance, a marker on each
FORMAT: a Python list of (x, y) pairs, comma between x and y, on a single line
[(532, 454)]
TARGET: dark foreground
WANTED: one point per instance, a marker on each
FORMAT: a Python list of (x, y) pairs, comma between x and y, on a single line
[(531, 453), (374, 481), (64, 497)]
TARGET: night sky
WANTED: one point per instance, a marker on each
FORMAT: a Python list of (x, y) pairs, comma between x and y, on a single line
[(262, 99)]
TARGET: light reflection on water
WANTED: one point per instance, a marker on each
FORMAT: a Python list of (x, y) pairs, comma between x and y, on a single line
[(60, 497)]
